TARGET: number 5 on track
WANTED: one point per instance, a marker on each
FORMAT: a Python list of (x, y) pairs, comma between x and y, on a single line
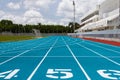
[(59, 73)]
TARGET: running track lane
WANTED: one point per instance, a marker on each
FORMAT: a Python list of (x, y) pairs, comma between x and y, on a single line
[(59, 58)]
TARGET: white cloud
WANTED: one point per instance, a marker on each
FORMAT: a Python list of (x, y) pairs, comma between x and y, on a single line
[(50, 22), (14, 18), (65, 20), (32, 14), (33, 17), (12, 5), (29, 17), (65, 8), (1, 13), (37, 3), (35, 20)]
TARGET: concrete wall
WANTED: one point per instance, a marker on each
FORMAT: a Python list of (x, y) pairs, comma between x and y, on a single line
[(32, 34), (15, 34), (115, 23)]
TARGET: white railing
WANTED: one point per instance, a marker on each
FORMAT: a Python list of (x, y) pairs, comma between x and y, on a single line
[(99, 24), (94, 18)]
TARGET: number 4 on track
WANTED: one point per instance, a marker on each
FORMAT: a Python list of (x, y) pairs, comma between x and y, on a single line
[(9, 74)]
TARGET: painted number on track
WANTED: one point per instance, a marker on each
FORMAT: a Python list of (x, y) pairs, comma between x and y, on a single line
[(59, 73), (110, 74), (9, 74)]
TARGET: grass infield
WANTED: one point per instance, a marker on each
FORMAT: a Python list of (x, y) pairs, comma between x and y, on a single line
[(4, 38)]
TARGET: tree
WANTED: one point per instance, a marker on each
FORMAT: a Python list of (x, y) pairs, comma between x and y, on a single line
[(71, 25), (7, 25)]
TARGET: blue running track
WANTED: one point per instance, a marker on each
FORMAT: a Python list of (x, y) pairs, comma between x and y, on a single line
[(59, 58)]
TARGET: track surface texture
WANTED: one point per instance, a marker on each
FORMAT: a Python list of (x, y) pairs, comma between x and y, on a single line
[(59, 58)]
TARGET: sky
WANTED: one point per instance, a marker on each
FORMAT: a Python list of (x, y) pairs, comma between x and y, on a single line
[(45, 11)]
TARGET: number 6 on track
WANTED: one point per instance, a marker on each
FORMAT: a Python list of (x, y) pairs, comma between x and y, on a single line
[(110, 74), (59, 73)]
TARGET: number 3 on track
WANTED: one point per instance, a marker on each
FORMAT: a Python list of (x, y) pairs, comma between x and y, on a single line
[(59, 73)]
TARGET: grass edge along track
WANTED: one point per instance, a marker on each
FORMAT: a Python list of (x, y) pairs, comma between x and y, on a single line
[(6, 38)]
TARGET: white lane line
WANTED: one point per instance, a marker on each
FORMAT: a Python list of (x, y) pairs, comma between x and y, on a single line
[(20, 54), (104, 44), (100, 55), (73, 40), (104, 48), (85, 73), (18, 47), (64, 56), (83, 70), (34, 71), (10, 52), (14, 57)]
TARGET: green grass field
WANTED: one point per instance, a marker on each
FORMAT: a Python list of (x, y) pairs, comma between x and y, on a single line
[(5, 38)]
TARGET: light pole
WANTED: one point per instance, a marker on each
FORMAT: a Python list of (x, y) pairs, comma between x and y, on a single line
[(74, 15), (118, 20), (119, 15)]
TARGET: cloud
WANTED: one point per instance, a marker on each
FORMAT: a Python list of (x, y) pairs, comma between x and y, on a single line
[(65, 21), (37, 3), (33, 17), (65, 8), (14, 18), (14, 6), (1, 13), (32, 14), (50, 22), (29, 17), (35, 20)]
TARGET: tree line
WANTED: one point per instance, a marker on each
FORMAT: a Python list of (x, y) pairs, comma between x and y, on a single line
[(9, 26)]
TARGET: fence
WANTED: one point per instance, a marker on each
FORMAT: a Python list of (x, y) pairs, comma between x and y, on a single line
[(113, 35), (32, 34)]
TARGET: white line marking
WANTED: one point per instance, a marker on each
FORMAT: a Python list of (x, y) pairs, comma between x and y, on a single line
[(18, 47), (88, 78), (32, 74), (14, 57), (104, 48), (83, 70), (100, 55), (20, 54), (12, 74), (104, 44), (64, 56)]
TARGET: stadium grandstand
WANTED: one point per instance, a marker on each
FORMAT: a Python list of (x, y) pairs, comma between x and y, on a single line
[(103, 22)]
